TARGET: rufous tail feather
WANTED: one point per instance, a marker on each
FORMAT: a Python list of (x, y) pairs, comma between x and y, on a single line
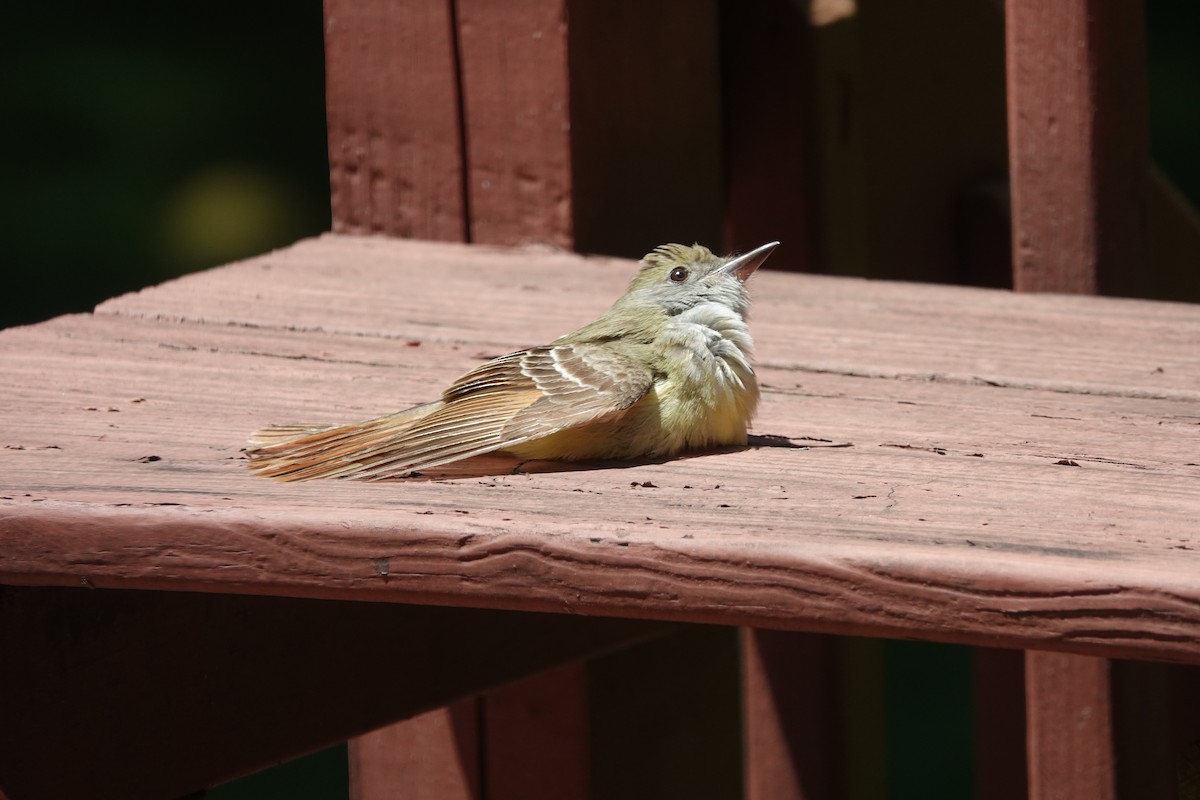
[(300, 452)]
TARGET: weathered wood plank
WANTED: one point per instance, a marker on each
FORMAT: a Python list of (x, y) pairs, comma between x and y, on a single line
[(394, 117), (1078, 149), (206, 688), (950, 517)]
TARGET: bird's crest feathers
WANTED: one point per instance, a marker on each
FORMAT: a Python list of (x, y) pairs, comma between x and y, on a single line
[(670, 255)]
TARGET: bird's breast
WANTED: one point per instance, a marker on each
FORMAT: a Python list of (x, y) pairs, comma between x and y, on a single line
[(703, 396), (707, 393)]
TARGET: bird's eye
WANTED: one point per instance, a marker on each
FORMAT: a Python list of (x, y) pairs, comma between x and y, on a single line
[(679, 274)]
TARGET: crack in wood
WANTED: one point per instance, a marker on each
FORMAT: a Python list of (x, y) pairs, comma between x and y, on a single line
[(1000, 383)]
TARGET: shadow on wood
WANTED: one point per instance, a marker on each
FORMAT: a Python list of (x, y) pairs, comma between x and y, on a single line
[(495, 464), (160, 694)]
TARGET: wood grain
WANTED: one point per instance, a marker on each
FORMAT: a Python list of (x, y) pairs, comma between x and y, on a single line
[(1018, 471)]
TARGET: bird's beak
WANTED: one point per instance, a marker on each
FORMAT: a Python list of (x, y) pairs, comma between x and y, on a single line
[(744, 265)]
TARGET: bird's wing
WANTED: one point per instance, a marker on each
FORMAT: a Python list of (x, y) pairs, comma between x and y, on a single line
[(578, 383), (500, 404), (513, 399)]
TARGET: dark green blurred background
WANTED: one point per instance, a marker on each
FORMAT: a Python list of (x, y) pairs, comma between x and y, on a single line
[(1173, 59), (144, 140)]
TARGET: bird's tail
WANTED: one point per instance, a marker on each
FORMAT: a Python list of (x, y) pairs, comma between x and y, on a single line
[(304, 452)]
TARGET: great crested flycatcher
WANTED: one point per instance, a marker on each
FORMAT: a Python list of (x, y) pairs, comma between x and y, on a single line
[(665, 370)]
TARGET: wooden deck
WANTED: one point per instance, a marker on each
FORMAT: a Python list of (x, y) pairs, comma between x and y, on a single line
[(962, 465)]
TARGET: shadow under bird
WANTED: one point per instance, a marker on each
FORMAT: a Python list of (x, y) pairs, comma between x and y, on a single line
[(666, 370)]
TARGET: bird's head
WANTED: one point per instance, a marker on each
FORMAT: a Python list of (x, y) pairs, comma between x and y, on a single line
[(678, 277)]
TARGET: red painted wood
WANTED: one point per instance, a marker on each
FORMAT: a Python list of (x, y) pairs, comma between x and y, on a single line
[(1183, 686), (513, 61), (205, 688), (788, 695), (1068, 708), (1184, 734), (764, 64), (1077, 143), (1156, 720), (646, 125), (467, 121), (434, 756), (956, 514), (664, 718), (536, 737), (587, 152), (1001, 766), (392, 97)]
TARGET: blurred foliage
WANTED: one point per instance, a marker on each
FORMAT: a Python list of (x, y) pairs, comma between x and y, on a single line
[(1173, 67), (144, 140), (324, 775)]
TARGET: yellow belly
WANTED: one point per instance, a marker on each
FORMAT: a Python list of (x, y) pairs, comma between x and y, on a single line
[(673, 417)]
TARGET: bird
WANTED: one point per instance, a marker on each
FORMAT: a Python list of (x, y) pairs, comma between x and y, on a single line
[(668, 369)]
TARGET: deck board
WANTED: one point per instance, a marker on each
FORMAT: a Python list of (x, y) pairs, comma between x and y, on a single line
[(944, 514)]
